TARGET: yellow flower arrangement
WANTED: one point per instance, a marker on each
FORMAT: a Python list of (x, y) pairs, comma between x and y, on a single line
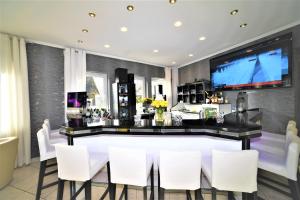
[(159, 104)]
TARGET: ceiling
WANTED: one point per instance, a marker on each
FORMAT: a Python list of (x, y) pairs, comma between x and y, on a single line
[(150, 25)]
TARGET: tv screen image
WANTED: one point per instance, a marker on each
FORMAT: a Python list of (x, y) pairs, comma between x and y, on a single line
[(77, 99), (262, 67)]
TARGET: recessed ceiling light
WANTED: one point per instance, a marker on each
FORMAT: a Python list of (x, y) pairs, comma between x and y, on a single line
[(92, 14), (130, 8), (191, 55), (79, 41), (172, 1), (124, 29), (177, 23), (173, 63), (155, 51), (234, 12), (107, 46), (85, 30), (243, 25), (202, 38)]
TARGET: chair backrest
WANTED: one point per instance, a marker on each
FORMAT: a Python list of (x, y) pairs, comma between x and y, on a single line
[(73, 162), (292, 154), (180, 170), (47, 132), (128, 166), (292, 123), (47, 122), (235, 170), (290, 133), (43, 143)]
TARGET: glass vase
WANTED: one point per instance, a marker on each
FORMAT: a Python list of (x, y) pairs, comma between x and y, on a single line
[(159, 115)]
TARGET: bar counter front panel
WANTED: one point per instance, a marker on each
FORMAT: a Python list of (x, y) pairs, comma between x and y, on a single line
[(236, 126)]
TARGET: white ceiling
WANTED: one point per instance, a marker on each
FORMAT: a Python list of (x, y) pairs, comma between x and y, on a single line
[(150, 25)]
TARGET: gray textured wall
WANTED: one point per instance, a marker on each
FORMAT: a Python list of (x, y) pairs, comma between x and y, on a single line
[(107, 65), (46, 88), (278, 105)]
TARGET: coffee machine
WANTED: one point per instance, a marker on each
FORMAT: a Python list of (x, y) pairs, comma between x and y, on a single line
[(242, 102)]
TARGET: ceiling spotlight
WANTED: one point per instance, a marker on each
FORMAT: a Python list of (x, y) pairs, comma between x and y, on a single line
[(92, 14), (124, 29), (202, 38), (107, 46), (130, 8), (243, 25), (172, 1), (234, 12), (177, 23), (85, 30), (191, 55), (155, 51), (173, 63), (80, 41)]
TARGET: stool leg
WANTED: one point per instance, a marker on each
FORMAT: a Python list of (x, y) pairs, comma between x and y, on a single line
[(213, 194), (126, 192), (152, 183), (60, 189), (41, 179), (230, 195), (161, 193), (294, 189), (198, 194), (145, 192), (88, 190)]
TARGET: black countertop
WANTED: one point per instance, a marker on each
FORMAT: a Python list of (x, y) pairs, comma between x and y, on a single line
[(235, 126)]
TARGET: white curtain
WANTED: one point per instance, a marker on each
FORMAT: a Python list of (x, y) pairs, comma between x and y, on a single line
[(75, 71), (14, 94), (168, 86)]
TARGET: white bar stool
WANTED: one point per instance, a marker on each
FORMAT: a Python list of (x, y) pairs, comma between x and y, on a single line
[(53, 135), (130, 167), (75, 163), (47, 152), (232, 171), (180, 171), (285, 166)]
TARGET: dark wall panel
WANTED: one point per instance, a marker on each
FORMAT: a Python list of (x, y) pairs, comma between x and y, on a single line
[(46, 88), (278, 105)]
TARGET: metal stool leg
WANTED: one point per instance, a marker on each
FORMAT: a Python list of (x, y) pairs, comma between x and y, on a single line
[(41, 179), (88, 190), (60, 190)]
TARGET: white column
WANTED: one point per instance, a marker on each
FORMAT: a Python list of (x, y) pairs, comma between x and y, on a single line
[(175, 83)]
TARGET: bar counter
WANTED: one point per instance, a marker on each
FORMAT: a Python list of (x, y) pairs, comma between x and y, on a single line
[(236, 126)]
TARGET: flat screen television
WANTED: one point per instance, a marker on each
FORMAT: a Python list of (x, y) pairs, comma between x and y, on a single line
[(264, 65), (77, 99)]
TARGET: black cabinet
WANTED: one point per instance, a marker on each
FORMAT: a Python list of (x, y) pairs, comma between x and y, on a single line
[(126, 101), (193, 93)]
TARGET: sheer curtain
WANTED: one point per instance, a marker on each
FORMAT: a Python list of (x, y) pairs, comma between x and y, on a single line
[(14, 94), (75, 71)]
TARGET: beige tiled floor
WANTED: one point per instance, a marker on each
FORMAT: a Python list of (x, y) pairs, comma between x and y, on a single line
[(24, 183)]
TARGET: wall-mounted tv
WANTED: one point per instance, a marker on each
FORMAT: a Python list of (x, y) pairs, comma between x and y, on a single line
[(264, 65), (77, 99)]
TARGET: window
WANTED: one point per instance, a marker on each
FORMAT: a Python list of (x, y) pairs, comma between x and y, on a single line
[(97, 90), (139, 82)]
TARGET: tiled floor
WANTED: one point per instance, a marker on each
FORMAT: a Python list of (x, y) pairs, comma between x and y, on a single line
[(24, 183)]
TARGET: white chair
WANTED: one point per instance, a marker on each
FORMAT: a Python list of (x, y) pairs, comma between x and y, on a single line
[(232, 171), (180, 171), (285, 166), (75, 163), (130, 167), (53, 134), (54, 139), (47, 153)]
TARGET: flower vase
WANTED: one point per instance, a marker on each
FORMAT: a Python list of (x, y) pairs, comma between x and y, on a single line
[(159, 115)]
